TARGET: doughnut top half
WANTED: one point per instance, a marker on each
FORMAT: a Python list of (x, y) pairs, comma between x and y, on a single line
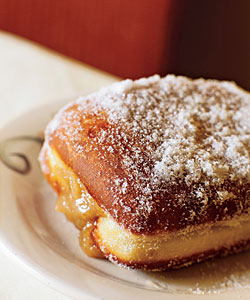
[(160, 154)]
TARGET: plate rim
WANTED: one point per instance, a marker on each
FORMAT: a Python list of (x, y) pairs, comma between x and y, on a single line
[(51, 279)]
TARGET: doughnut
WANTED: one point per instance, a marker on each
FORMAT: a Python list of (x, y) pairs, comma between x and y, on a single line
[(155, 173)]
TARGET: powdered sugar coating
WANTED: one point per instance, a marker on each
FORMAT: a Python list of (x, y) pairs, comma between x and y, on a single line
[(166, 132), (193, 129)]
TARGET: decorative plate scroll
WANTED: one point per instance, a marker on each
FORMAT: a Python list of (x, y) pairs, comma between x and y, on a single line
[(9, 153)]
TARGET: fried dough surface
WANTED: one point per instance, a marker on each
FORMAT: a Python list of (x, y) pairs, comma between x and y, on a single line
[(156, 157)]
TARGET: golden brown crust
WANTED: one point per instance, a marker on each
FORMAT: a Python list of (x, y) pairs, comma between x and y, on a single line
[(157, 252), (151, 162), (98, 169)]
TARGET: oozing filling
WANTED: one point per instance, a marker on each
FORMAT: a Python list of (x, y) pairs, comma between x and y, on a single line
[(81, 209), (74, 201)]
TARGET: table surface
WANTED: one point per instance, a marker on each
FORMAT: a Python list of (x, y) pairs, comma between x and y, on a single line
[(31, 75)]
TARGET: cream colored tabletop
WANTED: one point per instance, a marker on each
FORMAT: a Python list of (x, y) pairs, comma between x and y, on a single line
[(31, 75)]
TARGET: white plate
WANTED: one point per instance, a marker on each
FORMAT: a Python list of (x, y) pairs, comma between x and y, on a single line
[(41, 238)]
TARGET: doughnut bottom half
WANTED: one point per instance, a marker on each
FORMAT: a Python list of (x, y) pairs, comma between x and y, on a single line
[(101, 236)]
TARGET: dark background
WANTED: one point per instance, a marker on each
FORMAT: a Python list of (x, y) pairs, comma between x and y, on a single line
[(135, 38)]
